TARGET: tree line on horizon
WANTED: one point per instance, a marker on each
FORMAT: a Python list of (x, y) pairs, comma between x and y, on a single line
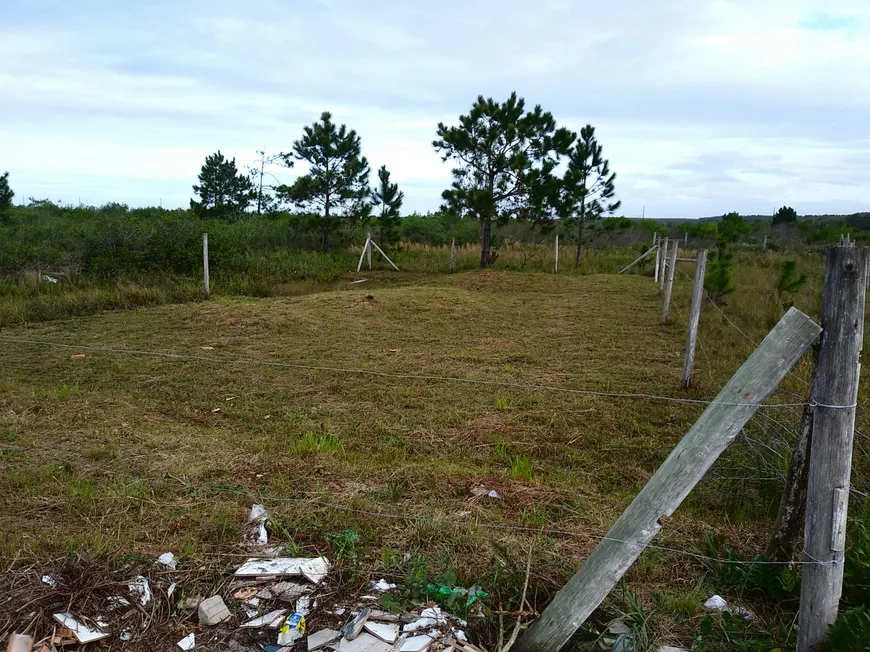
[(508, 165)]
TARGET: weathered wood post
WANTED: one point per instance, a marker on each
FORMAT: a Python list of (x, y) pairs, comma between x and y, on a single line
[(679, 473), (205, 264), (658, 262), (453, 255), (557, 254), (670, 282), (369, 241), (694, 317), (664, 265), (835, 395), (764, 244), (366, 248)]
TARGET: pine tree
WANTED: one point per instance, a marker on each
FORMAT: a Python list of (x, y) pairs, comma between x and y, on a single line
[(388, 201), (505, 157), (6, 196), (223, 192), (588, 186), (336, 187), (785, 215)]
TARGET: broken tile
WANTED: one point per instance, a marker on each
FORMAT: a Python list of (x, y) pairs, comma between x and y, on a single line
[(248, 592), (82, 633), (314, 569), (188, 642), (272, 619), (384, 631), (285, 591), (20, 643), (321, 638), (364, 643), (416, 644)]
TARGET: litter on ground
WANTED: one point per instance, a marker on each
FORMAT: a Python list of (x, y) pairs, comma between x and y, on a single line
[(82, 633), (188, 642)]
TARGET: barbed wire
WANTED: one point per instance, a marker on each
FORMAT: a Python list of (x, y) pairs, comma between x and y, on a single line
[(400, 376), (265, 498)]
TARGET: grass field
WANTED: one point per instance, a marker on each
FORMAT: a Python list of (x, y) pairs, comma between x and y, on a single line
[(127, 454)]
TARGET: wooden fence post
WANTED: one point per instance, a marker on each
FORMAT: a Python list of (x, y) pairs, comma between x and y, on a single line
[(453, 255), (664, 265), (694, 317), (557, 254), (670, 282), (366, 247), (205, 264), (369, 240), (679, 473), (835, 394), (658, 262)]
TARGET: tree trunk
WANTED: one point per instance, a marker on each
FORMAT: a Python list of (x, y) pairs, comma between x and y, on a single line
[(579, 242), (485, 233)]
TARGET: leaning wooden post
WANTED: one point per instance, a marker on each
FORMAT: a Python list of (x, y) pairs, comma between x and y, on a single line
[(205, 264), (664, 265), (670, 282), (835, 395), (557, 254), (366, 247), (658, 263), (694, 317), (679, 473), (453, 255)]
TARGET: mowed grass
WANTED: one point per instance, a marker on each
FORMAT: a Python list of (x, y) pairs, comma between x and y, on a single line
[(134, 454)]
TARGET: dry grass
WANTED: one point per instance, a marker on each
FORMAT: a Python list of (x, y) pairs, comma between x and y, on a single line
[(124, 454)]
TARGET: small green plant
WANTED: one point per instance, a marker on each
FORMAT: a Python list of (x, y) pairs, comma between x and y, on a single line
[(789, 283), (850, 632), (521, 467), (501, 404), (312, 443), (717, 281), (344, 546)]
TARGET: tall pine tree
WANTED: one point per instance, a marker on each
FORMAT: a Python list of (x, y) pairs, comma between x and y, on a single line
[(223, 191), (587, 188), (336, 188), (504, 158), (6, 196), (388, 202)]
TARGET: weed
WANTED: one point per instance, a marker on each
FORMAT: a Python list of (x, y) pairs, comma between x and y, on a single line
[(315, 443), (521, 467), (344, 546)]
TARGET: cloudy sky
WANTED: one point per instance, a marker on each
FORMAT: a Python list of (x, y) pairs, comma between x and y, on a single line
[(703, 106)]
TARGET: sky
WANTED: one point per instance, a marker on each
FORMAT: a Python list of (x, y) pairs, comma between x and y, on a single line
[(702, 106)]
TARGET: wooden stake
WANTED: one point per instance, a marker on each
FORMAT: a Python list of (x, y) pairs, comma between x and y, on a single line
[(679, 473), (638, 259), (366, 248), (658, 248), (369, 239), (453, 255), (694, 317), (835, 394), (381, 251), (670, 282), (664, 265), (205, 264), (557, 254), (764, 244)]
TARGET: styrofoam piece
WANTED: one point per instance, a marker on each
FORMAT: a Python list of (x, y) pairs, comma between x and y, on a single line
[(82, 633), (384, 631)]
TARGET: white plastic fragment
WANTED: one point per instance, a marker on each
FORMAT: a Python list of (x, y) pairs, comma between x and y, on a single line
[(740, 612), (50, 279), (273, 619), (140, 587), (387, 633), (257, 521), (716, 604), (382, 585), (434, 612), (126, 635), (416, 644), (321, 638), (48, 579), (82, 633), (171, 589), (188, 642), (168, 560), (483, 491), (419, 624)]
